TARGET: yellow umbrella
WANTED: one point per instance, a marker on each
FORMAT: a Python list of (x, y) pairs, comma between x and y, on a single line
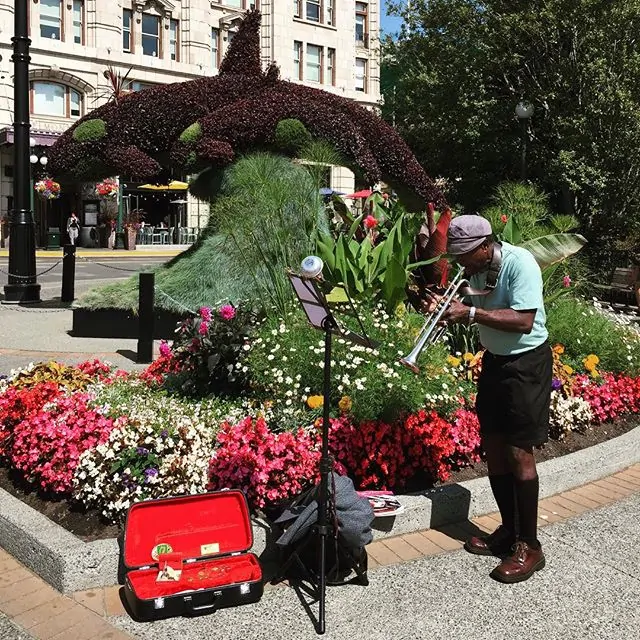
[(174, 185)]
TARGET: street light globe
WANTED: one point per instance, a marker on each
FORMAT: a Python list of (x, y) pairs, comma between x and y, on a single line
[(44, 160), (32, 142), (524, 110), (33, 159)]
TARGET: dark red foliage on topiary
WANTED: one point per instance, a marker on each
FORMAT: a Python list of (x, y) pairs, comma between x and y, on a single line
[(238, 111)]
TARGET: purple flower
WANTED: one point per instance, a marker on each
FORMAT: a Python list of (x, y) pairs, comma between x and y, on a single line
[(164, 433), (150, 473), (556, 384), (142, 451)]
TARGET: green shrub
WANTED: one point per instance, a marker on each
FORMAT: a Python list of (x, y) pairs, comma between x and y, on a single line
[(583, 330), (291, 136), (90, 130), (192, 133)]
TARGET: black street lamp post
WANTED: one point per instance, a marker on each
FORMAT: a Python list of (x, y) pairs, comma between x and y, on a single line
[(524, 111), (22, 287)]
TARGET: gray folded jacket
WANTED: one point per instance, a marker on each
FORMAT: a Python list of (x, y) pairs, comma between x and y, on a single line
[(355, 515)]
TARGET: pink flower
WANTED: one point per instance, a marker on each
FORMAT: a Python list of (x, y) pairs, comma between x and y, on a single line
[(165, 349), (227, 312), (203, 328), (205, 313), (566, 281), (503, 219), (370, 222)]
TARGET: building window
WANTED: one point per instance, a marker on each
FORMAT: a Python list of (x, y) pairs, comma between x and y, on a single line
[(127, 43), (215, 48), (314, 10), (297, 60), (51, 19), (238, 4), (331, 66), (136, 85), (150, 35), (362, 19), (329, 17), (174, 40), (314, 63), (51, 99), (78, 21), (361, 74), (297, 8)]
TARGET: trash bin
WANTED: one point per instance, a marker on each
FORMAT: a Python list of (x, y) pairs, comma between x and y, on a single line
[(53, 238)]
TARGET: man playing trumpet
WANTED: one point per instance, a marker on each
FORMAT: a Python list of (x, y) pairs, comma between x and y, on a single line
[(514, 387)]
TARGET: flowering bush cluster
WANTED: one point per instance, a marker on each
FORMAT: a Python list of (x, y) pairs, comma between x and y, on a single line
[(207, 348), (108, 188), (46, 447), (47, 189), (267, 466), (387, 455)]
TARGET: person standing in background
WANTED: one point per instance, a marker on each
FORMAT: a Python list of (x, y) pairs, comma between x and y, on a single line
[(73, 228)]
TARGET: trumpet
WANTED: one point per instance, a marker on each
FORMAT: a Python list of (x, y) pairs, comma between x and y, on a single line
[(432, 330)]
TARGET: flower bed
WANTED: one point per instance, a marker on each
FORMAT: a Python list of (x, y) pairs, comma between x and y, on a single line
[(107, 438)]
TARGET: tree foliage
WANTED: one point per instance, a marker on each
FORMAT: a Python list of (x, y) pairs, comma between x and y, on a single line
[(459, 67)]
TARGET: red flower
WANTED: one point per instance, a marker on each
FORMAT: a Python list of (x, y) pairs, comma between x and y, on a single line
[(370, 222), (503, 219)]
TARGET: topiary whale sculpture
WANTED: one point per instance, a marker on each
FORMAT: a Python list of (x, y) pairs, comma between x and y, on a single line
[(207, 122)]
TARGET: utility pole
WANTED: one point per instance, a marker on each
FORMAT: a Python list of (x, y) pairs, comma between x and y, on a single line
[(22, 286)]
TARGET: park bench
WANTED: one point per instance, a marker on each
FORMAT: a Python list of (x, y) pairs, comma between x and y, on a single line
[(621, 287)]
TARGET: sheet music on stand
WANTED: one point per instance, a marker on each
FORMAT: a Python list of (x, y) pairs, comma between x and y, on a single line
[(317, 310)]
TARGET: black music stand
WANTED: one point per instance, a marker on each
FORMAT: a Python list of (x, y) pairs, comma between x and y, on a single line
[(319, 314)]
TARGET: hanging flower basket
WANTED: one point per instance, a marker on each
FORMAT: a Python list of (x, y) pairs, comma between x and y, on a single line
[(108, 188), (47, 189)]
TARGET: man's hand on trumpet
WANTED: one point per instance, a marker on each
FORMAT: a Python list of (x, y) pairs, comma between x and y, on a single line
[(428, 302), (456, 313)]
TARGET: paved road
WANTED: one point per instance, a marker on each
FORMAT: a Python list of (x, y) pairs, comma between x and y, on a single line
[(89, 271), (590, 590)]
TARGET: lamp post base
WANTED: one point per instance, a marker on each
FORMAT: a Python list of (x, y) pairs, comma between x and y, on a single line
[(21, 294), (119, 243)]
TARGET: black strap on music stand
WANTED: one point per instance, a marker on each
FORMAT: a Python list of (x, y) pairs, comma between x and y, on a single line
[(320, 316)]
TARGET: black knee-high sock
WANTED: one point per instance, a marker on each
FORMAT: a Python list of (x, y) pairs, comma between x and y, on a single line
[(527, 501), (503, 487)]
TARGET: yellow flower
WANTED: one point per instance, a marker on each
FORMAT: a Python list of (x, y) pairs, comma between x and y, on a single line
[(559, 349), (595, 373), (594, 358), (453, 361), (315, 402), (567, 369), (345, 404), (468, 357)]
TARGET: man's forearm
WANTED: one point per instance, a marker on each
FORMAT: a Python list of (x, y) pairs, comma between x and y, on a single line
[(505, 320)]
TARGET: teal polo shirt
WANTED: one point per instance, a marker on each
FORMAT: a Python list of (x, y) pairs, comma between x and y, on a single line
[(519, 287)]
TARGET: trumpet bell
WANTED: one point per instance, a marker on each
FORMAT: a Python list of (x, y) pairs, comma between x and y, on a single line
[(410, 363)]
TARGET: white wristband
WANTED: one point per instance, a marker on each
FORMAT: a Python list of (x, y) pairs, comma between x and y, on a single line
[(472, 315)]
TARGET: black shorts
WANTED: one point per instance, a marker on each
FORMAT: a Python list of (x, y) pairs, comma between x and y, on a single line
[(514, 393)]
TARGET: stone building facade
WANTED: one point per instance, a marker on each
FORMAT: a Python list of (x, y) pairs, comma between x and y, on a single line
[(332, 44)]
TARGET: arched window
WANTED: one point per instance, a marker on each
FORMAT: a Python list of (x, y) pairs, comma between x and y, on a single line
[(52, 99)]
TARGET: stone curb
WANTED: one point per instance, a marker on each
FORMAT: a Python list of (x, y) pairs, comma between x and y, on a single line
[(69, 564)]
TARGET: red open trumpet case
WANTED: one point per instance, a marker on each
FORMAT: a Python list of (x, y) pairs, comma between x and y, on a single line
[(190, 555)]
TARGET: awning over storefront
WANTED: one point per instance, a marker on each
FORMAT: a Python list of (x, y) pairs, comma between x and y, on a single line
[(42, 138)]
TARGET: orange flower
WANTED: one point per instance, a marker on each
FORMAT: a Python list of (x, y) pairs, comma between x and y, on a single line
[(345, 404), (315, 402), (559, 349)]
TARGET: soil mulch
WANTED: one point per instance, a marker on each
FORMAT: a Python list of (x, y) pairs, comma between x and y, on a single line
[(89, 525)]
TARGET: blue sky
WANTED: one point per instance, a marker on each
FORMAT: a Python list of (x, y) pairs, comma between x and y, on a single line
[(389, 25)]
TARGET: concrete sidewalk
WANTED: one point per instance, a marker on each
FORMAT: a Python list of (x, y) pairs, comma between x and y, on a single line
[(422, 586), (30, 334), (141, 251)]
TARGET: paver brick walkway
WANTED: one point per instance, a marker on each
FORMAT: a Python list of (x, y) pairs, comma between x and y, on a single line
[(34, 610)]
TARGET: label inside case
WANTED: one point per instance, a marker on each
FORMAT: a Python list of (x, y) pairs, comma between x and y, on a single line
[(209, 549)]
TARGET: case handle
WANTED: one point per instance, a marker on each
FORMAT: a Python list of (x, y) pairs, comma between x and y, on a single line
[(204, 607)]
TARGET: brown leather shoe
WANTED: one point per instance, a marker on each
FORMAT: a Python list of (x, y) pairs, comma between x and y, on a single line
[(498, 543), (523, 562)]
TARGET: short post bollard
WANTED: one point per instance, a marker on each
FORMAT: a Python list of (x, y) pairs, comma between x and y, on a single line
[(68, 273), (145, 318)]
